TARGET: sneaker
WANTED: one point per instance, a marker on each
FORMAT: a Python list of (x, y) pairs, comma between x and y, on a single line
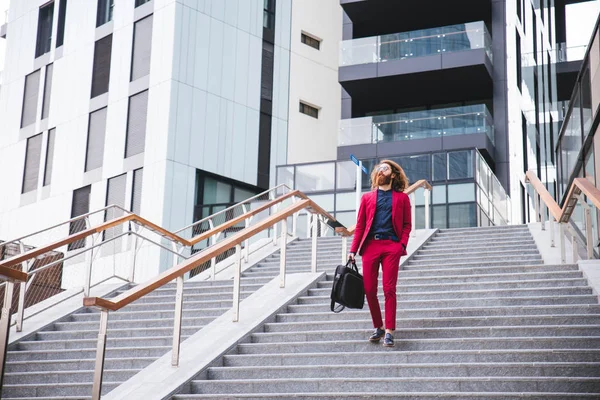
[(377, 335), (389, 340)]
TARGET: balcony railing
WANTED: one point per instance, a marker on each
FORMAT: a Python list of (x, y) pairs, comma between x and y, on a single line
[(571, 53), (466, 120), (424, 42)]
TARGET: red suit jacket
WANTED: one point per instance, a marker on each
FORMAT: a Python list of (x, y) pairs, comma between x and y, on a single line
[(401, 219)]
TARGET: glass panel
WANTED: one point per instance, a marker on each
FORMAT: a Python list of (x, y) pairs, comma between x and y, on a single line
[(216, 192), (439, 167), (460, 164), (346, 218), (325, 201), (586, 102), (285, 175), (346, 175), (345, 201), (419, 222), (417, 43), (460, 193), (420, 197), (440, 216), (315, 177), (241, 194), (422, 124), (462, 215), (415, 167), (438, 194)]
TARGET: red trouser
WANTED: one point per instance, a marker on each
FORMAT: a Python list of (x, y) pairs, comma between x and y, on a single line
[(387, 253)]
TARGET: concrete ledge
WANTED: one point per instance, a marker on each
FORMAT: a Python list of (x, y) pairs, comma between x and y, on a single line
[(550, 255), (591, 271), (55, 308), (160, 380)]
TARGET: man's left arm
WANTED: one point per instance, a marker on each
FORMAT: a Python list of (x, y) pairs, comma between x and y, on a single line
[(407, 221)]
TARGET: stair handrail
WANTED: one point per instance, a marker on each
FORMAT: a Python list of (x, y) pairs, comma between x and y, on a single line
[(421, 183), (177, 273), (579, 188)]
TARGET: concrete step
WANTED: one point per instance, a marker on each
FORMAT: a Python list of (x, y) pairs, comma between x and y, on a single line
[(436, 322), (300, 314), (403, 370), (481, 258), (463, 255), (139, 324), (402, 333), (87, 354), (70, 343), (79, 365), (479, 278), (310, 303), (441, 245), (410, 357), (193, 297), (478, 230), (425, 384), (27, 378), (498, 237), (166, 306), (463, 293), (475, 264), (517, 246), (504, 269), (115, 333), (396, 396), (123, 315), (56, 390), (340, 345), (225, 288)]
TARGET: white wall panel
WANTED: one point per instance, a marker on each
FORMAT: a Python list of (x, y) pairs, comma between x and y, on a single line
[(184, 121), (239, 151), (202, 50), (215, 56), (242, 74), (229, 62)]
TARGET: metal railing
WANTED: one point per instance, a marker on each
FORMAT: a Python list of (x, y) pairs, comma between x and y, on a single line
[(547, 208)]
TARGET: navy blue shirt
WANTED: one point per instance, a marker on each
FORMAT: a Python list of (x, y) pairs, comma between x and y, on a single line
[(382, 222)]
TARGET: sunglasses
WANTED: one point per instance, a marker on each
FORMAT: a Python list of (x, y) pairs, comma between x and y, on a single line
[(383, 168)]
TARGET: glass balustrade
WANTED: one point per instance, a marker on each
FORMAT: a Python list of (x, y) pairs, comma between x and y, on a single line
[(465, 120), (420, 43)]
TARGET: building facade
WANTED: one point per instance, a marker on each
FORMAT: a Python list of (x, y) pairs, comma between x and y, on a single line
[(173, 110), (469, 98)]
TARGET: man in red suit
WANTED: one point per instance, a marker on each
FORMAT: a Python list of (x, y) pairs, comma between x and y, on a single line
[(383, 226)]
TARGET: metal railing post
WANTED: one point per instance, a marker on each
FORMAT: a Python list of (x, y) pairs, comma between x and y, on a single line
[(247, 241), (536, 200), (213, 261), (236, 283), (294, 224), (25, 266), (575, 248), (427, 220), (344, 249), (89, 264), (588, 232), (561, 239), (552, 241), (133, 255), (100, 355), (5, 326), (275, 208), (177, 322), (313, 260), (282, 253), (413, 211), (543, 216)]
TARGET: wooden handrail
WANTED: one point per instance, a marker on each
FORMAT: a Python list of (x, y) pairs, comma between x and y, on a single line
[(11, 274), (579, 186), (14, 261), (409, 190), (169, 275)]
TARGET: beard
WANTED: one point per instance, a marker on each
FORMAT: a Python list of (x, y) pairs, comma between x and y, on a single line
[(383, 180)]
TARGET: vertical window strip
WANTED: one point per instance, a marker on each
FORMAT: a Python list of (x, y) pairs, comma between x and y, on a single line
[(95, 143), (49, 157), (31, 170), (101, 67), (44, 33), (136, 124), (310, 41), (62, 15), (136, 196), (105, 12), (30, 98), (47, 91), (79, 206), (115, 194), (142, 48)]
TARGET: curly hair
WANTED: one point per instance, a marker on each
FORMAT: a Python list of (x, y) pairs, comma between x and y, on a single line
[(399, 182)]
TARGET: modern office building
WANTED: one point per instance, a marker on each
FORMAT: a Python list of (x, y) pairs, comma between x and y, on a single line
[(173, 110), (466, 97)]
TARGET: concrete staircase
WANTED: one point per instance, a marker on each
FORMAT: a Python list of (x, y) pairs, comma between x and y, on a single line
[(58, 361), (479, 317)]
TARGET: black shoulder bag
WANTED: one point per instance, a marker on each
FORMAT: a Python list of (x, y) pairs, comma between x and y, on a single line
[(348, 289)]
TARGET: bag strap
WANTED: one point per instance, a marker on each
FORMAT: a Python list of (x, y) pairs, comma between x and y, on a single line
[(336, 309), (352, 264)]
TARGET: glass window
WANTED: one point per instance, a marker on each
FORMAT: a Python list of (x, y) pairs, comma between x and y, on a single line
[(80, 205), (216, 192), (345, 201), (105, 12), (95, 143), (460, 164), (346, 218), (462, 215), (440, 217), (586, 101), (30, 98), (136, 191), (419, 222), (346, 175), (315, 177), (44, 32), (62, 15), (31, 171), (460, 193), (285, 175), (142, 48), (325, 201), (140, 2), (47, 91), (415, 167), (136, 124), (101, 66), (269, 14), (420, 197), (439, 167), (310, 41), (49, 157), (438, 194), (240, 195)]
